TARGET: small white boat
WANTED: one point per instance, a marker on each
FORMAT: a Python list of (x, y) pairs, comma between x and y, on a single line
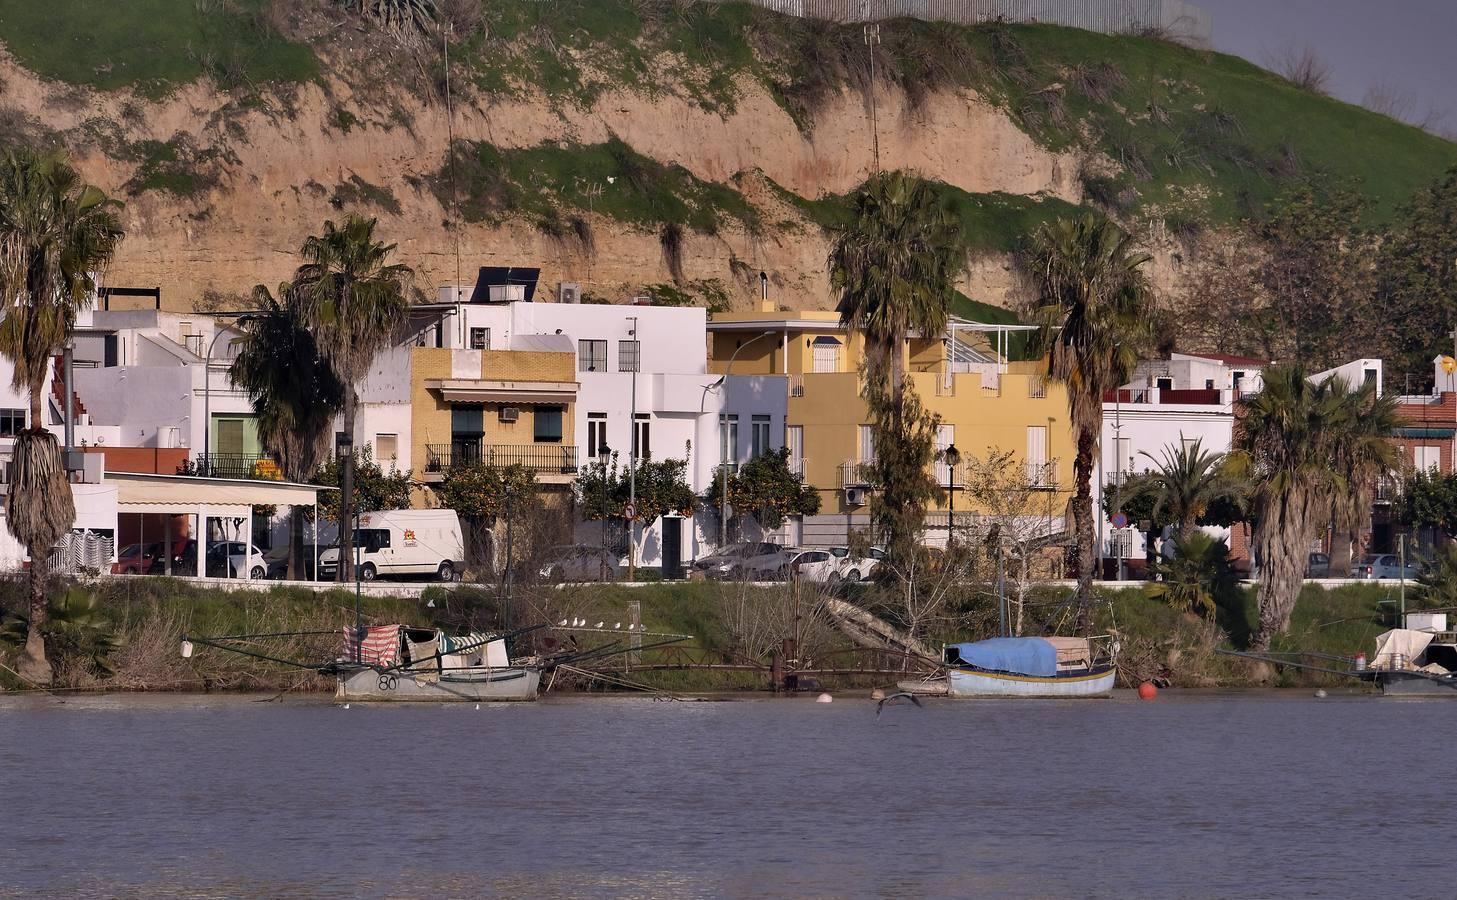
[(1419, 660), (1031, 667), (395, 663)]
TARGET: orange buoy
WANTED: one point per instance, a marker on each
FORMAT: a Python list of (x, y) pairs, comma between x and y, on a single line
[(1147, 691)]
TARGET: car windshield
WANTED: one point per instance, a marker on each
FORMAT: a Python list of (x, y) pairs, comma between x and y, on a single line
[(839, 552)]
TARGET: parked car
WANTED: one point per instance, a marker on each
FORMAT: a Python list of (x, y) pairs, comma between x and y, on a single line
[(242, 559), (184, 559), (404, 542), (815, 566), (278, 568), (754, 561), (1318, 566), (1386, 565), (136, 559), (857, 568), (580, 562)]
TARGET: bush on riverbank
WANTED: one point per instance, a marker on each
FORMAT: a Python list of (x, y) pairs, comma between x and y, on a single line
[(729, 623)]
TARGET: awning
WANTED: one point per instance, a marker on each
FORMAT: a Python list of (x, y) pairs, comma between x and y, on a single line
[(1425, 432), (229, 497), (518, 393)]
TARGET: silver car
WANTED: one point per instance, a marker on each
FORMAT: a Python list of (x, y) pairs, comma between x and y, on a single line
[(580, 562), (752, 561), (1386, 565)]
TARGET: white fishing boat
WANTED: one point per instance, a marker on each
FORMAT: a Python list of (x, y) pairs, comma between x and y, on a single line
[(1031, 667), (1419, 660), (396, 663)]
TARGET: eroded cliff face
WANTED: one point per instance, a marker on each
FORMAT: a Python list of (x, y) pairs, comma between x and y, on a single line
[(248, 181)]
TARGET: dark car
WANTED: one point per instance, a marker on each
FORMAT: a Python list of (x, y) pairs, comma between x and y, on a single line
[(184, 559), (136, 559), (1318, 566)]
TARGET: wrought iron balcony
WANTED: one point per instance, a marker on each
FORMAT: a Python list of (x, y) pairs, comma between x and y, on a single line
[(1043, 476), (557, 459), (238, 465), (857, 473)]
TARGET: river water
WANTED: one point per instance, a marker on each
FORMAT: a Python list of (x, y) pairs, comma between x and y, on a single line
[(1215, 795)]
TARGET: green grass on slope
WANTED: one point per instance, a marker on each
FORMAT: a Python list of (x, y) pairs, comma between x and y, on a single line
[(151, 44), (542, 183)]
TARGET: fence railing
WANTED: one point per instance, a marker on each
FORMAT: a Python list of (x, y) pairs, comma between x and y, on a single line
[(857, 473), (540, 458), (1042, 475), (238, 465)]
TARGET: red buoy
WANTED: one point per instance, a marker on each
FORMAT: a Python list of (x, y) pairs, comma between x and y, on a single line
[(1147, 691)]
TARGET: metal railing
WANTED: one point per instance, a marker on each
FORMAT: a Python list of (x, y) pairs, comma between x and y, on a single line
[(857, 473), (238, 465), (797, 465), (541, 458), (796, 385), (1042, 475)]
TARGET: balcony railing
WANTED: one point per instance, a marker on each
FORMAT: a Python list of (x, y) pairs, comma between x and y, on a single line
[(857, 473), (238, 465), (1042, 475), (796, 385), (540, 458), (797, 465)]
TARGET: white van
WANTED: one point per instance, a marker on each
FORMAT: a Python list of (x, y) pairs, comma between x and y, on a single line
[(404, 542)]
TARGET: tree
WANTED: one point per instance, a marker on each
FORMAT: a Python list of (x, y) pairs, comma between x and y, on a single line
[(1304, 443), (374, 488), (294, 392), (1188, 482), (479, 493), (894, 267), (1418, 287), (55, 232), (354, 300), (1094, 305), (1194, 576), (662, 488), (1006, 499), (1429, 500), (1439, 578), (766, 489)]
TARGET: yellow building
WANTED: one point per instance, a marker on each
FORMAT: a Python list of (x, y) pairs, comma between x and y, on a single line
[(503, 407), (962, 376)]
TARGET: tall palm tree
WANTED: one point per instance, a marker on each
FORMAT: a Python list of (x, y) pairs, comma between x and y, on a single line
[(55, 232), (1186, 481), (894, 268), (1305, 443), (354, 300), (1095, 308), (294, 392)]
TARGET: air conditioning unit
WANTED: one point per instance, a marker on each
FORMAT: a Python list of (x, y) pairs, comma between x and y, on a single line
[(569, 292), (510, 414), (854, 496)]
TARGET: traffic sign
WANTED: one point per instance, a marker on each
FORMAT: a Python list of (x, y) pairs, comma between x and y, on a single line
[(629, 511), (1120, 520)]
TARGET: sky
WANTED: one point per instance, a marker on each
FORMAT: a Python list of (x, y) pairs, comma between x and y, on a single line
[(1406, 45)]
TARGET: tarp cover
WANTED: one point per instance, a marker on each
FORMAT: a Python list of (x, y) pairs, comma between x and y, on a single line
[(1020, 656), (1399, 648)]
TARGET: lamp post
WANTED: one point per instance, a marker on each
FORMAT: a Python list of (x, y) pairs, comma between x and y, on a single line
[(723, 442), (604, 456), (952, 456), (632, 455), (342, 451), (207, 393)]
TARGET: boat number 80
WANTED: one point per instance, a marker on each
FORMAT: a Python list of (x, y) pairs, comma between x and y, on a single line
[(388, 682)]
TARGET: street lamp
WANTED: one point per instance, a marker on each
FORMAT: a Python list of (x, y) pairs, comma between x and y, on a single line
[(207, 392), (724, 449), (604, 456), (343, 453), (952, 456)]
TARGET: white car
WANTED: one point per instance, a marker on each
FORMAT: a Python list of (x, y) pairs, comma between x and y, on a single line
[(814, 566), (856, 568), (239, 566)]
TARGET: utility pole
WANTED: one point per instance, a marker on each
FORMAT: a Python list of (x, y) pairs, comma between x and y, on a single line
[(632, 456)]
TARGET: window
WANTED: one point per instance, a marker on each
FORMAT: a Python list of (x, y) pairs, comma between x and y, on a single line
[(1122, 454), (386, 447), (1428, 458), (1037, 455), (548, 425), (759, 435), (628, 353), (867, 444), (728, 439), (371, 540), (12, 422), (1164, 384), (591, 356), (596, 433), (480, 338), (794, 440), (1209, 384), (642, 445), (826, 354), (230, 437)]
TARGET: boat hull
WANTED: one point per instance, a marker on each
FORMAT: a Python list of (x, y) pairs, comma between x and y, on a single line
[(1411, 684), (977, 683), (515, 683)]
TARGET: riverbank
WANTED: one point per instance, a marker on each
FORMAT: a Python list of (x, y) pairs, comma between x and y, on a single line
[(124, 634)]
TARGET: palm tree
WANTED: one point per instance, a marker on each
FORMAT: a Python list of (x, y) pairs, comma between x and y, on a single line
[(1187, 481), (1095, 309), (1195, 576), (55, 232), (295, 394), (894, 267), (1305, 443), (354, 300)]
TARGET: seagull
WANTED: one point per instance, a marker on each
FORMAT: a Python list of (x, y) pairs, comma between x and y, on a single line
[(617, 626), (478, 706), (599, 624), (880, 707), (562, 623), (346, 706)]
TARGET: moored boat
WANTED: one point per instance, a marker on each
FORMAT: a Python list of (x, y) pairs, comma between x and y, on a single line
[(1419, 660), (1031, 667), (396, 663)]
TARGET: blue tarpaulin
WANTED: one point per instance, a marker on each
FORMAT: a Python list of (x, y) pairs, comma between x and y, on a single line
[(1020, 656)]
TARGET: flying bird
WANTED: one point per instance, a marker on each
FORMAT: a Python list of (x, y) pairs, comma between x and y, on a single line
[(880, 707)]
